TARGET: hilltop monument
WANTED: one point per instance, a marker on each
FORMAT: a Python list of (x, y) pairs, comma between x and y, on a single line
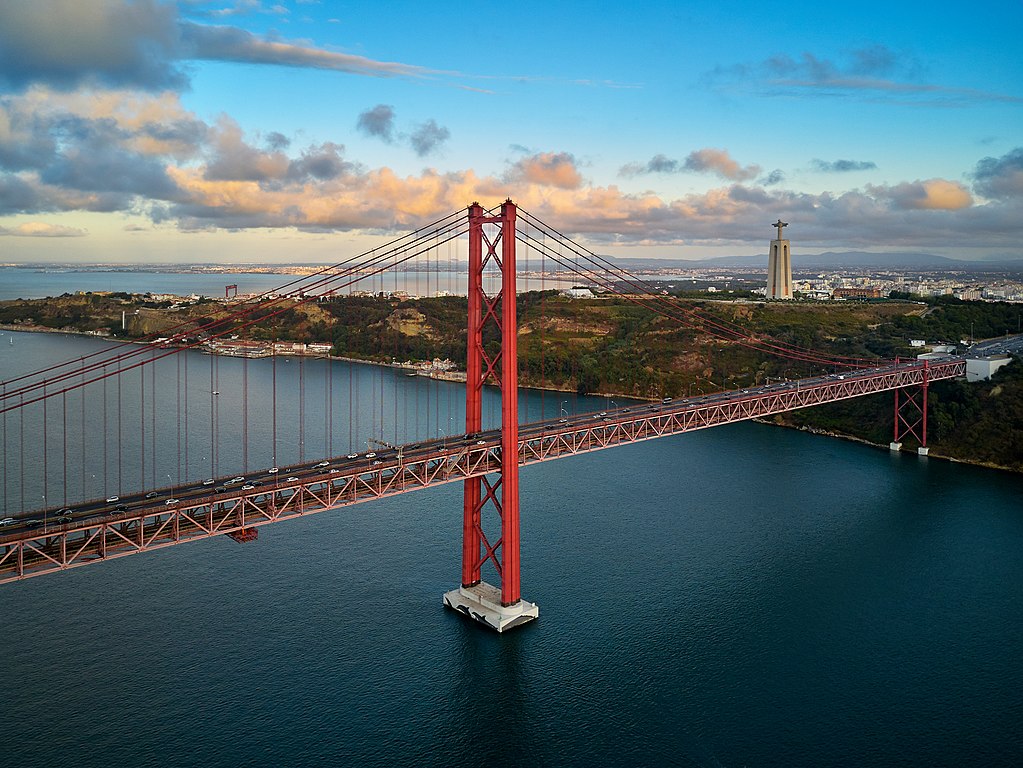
[(779, 267)]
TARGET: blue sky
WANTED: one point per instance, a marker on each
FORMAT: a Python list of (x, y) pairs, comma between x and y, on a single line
[(305, 131)]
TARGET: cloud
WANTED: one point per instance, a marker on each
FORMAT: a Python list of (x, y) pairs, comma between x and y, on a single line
[(720, 162), (874, 72), (1000, 177), (428, 137), (777, 176), (144, 44), (147, 156), (933, 194), (378, 122), (200, 41), (68, 43), (41, 229), (707, 160), (842, 166), (547, 169)]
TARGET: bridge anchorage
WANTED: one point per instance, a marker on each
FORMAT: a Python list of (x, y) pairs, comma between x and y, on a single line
[(492, 244)]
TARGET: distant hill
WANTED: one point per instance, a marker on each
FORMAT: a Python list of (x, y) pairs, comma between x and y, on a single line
[(832, 260)]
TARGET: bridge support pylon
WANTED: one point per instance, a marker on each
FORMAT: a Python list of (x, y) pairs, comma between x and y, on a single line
[(492, 247), (911, 416)]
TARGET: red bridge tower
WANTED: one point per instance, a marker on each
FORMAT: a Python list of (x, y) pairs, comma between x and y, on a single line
[(492, 244)]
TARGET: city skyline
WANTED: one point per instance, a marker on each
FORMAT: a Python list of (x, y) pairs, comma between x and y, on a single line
[(308, 131)]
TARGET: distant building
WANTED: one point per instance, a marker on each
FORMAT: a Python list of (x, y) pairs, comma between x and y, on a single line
[(916, 342), (857, 293), (779, 267), (981, 368), (289, 348), (578, 292)]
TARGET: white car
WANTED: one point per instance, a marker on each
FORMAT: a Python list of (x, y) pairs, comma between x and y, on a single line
[(112, 499), (208, 481), (371, 455), (273, 471), (321, 465), (169, 502), (291, 479), (7, 521)]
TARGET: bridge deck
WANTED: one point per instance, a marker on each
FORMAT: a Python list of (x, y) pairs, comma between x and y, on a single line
[(32, 545)]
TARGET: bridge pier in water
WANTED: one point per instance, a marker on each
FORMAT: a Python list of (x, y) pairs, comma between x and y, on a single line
[(500, 608)]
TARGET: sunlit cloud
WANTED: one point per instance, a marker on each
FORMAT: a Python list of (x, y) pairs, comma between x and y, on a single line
[(553, 169), (932, 194), (41, 229), (149, 157), (707, 160)]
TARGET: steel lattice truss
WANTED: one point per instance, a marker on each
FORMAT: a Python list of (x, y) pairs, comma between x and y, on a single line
[(54, 548)]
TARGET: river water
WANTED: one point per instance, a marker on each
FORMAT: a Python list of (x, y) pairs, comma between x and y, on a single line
[(741, 596)]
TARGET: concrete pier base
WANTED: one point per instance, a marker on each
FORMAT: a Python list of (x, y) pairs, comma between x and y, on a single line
[(895, 447), (482, 602), (922, 451)]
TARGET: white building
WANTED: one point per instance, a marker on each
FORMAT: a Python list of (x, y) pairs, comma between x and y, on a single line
[(981, 368)]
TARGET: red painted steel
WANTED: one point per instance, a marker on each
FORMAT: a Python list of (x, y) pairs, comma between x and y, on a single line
[(473, 396), (510, 592), (911, 409), (500, 369), (152, 525)]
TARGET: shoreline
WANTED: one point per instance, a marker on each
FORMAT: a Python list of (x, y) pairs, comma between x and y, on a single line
[(862, 441), (460, 377)]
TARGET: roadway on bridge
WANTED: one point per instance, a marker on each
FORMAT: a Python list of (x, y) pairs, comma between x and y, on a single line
[(288, 479)]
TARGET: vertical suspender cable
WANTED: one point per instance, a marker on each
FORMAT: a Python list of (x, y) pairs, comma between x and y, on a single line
[(301, 408), (46, 452), (177, 404), (81, 395), (63, 412), (245, 414), (153, 399), (185, 355), (216, 414), (213, 434), (142, 424), (330, 406), (273, 368), (6, 508), (21, 444)]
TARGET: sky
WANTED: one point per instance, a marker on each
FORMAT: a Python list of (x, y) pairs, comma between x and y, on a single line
[(311, 130)]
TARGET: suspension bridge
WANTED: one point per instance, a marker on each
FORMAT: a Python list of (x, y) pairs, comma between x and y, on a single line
[(71, 421)]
